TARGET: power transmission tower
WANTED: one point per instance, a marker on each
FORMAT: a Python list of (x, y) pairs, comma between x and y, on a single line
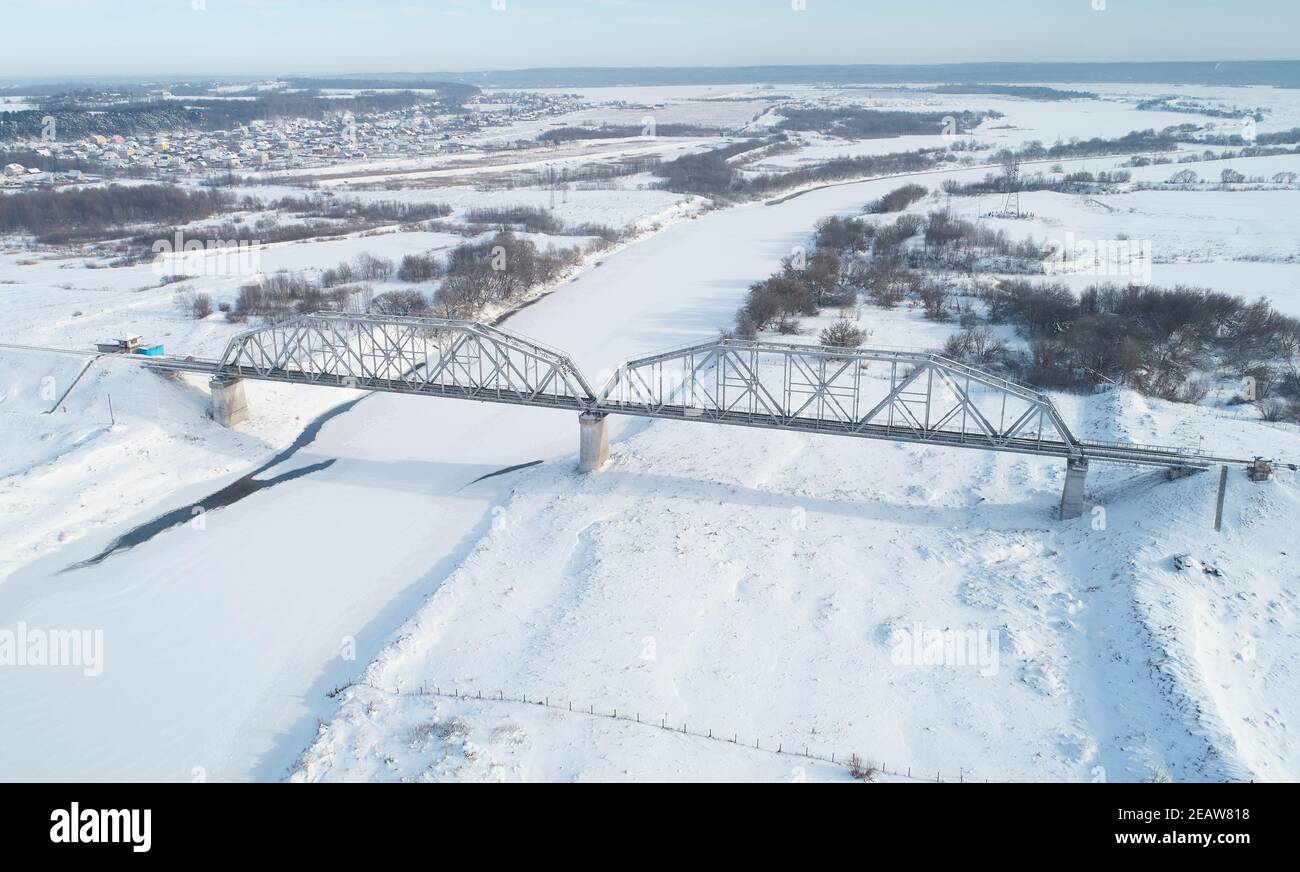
[(1011, 206)]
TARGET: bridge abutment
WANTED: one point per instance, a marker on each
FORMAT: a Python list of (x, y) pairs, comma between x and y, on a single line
[(593, 441), (1076, 473), (229, 404), (1259, 470)]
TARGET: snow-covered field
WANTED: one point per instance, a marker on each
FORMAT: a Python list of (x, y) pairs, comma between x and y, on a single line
[(769, 587)]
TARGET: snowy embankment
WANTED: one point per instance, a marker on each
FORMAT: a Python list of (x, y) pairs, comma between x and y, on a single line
[(90, 441), (771, 585)]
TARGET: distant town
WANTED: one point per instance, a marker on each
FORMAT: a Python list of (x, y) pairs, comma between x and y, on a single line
[(277, 143)]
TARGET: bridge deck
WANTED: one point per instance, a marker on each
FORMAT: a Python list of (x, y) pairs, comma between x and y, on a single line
[(1140, 455)]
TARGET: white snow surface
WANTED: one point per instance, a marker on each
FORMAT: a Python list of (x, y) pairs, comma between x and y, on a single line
[(754, 584), (759, 584)]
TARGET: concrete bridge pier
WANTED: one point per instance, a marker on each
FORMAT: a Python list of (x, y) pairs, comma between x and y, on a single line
[(593, 441), (1076, 472), (229, 405)]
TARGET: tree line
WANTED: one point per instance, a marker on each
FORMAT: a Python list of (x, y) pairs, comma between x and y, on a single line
[(857, 123), (1161, 341), (1026, 92), (622, 131), (56, 216)]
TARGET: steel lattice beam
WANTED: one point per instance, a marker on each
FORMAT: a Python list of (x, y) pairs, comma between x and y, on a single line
[(408, 355), (900, 396)]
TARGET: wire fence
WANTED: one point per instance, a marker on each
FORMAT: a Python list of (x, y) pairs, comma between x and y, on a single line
[(852, 763)]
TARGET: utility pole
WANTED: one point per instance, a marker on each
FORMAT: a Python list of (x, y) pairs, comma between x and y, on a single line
[(1218, 509)]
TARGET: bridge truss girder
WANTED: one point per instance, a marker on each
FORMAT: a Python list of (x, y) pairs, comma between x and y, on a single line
[(871, 393), (901, 396), (430, 356)]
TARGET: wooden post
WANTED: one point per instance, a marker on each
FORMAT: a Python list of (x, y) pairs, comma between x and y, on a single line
[(1218, 509)]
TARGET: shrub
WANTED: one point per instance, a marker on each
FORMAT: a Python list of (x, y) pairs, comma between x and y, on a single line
[(1192, 391), (934, 299), (977, 346), (745, 327), (860, 769), (373, 268), (529, 218), (778, 295), (788, 326), (842, 334), (404, 303), (202, 307), (897, 200), (849, 235), (419, 268), (1275, 409), (183, 299)]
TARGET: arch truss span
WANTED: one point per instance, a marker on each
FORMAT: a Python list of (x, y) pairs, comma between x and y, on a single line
[(429, 356), (902, 396)]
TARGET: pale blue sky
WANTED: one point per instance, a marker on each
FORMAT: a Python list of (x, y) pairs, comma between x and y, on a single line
[(230, 37)]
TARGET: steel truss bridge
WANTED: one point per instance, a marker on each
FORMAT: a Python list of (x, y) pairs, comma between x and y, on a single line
[(900, 396)]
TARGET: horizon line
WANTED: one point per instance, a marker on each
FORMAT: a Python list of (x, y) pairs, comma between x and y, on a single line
[(175, 76)]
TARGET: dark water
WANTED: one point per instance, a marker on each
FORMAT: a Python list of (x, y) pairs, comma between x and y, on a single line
[(228, 495), (503, 470)]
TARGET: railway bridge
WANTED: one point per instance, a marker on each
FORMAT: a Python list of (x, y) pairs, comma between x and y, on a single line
[(899, 396)]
